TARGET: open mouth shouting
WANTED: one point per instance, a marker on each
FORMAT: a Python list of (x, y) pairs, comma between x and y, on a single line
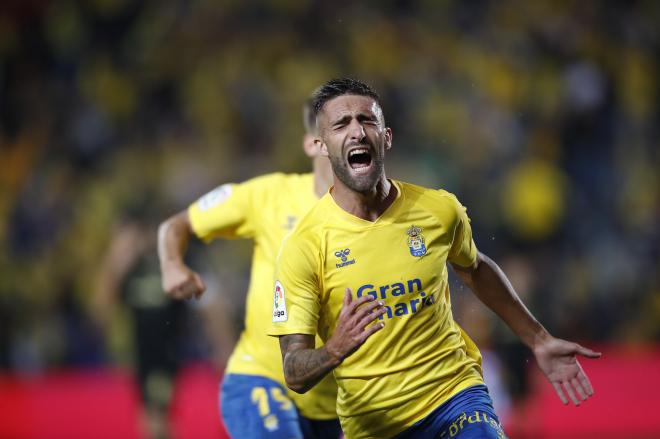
[(359, 159)]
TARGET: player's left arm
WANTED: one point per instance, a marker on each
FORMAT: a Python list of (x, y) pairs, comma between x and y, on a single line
[(556, 357)]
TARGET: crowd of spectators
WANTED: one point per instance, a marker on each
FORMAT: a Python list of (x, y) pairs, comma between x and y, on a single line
[(542, 116)]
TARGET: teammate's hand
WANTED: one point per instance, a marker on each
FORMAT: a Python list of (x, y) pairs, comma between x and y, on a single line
[(180, 282), (557, 359), (353, 328)]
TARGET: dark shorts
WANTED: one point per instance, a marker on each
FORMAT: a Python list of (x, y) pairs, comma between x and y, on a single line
[(257, 407), (320, 429), (467, 415)]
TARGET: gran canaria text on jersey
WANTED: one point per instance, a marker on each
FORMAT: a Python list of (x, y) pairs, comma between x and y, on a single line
[(405, 308)]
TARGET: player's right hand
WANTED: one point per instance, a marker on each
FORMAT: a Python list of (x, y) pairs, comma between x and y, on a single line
[(180, 282), (353, 327)]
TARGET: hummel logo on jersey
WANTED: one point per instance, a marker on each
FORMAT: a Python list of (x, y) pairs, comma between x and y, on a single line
[(343, 256)]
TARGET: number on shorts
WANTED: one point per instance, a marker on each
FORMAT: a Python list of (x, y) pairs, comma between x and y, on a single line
[(260, 399), (285, 402)]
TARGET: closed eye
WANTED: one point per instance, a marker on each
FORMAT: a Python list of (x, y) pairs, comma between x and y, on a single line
[(367, 119), (364, 119), (341, 122)]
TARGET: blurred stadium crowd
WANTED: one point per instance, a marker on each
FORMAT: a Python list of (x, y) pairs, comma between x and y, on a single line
[(543, 117)]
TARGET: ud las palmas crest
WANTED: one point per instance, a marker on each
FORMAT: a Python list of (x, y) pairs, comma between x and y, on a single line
[(416, 241)]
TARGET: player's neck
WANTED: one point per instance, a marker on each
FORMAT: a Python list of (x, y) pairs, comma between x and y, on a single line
[(367, 206)]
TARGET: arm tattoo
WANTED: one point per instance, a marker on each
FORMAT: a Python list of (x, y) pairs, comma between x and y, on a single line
[(304, 366)]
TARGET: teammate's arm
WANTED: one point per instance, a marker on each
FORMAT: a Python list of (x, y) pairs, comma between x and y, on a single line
[(178, 280), (556, 357), (304, 366)]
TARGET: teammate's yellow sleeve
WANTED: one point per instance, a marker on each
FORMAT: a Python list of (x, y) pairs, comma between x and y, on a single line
[(463, 251), (296, 302), (230, 210)]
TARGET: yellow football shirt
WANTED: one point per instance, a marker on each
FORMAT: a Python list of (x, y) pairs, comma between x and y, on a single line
[(421, 357), (264, 209)]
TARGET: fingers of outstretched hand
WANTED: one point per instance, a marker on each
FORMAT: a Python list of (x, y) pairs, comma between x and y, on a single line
[(578, 388), (560, 392), (581, 350), (584, 381), (571, 393)]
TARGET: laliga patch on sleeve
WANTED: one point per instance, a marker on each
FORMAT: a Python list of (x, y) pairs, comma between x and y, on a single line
[(215, 197), (279, 303)]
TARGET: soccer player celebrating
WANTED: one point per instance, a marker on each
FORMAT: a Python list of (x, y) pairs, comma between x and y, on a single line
[(254, 399), (366, 269)]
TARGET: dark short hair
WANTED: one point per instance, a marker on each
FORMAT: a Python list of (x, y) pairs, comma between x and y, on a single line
[(340, 87)]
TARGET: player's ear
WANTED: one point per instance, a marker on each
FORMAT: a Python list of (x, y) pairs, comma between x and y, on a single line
[(309, 146), (323, 148), (388, 138)]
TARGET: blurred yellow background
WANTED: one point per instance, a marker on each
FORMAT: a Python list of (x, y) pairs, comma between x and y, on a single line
[(542, 116)]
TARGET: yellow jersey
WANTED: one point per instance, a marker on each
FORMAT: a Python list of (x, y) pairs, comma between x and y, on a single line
[(264, 209), (421, 357)]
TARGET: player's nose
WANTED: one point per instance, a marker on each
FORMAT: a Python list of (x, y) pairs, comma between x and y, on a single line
[(356, 131)]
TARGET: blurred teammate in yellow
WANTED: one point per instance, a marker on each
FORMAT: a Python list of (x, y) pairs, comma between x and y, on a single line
[(254, 400), (366, 269)]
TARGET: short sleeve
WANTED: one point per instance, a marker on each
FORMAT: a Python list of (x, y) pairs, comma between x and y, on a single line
[(225, 212), (463, 251), (296, 299)]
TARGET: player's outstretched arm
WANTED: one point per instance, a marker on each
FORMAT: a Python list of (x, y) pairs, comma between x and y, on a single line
[(556, 358), (178, 280), (304, 366)]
